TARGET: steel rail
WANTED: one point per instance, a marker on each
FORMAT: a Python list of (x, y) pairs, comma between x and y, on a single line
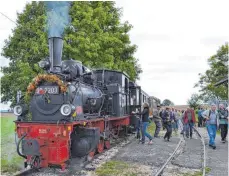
[(204, 155), (169, 159), (178, 146)]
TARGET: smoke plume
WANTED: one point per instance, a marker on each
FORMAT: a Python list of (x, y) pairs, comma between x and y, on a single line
[(57, 17)]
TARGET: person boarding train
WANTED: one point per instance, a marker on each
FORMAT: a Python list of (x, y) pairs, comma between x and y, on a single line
[(145, 123)]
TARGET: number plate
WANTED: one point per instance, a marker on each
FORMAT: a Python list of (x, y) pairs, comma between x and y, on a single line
[(48, 89)]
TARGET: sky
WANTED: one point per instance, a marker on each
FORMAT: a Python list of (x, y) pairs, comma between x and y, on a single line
[(174, 39)]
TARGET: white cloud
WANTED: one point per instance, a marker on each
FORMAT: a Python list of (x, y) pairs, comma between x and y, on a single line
[(214, 40), (174, 38)]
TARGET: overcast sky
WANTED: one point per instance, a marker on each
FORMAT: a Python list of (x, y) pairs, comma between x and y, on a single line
[(174, 39)]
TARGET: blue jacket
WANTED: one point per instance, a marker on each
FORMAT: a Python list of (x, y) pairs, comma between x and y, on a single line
[(200, 112)]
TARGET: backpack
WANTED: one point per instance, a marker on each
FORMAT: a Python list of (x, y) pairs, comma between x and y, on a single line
[(224, 115), (160, 113), (208, 115)]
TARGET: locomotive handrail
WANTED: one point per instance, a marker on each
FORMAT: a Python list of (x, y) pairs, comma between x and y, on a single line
[(60, 74), (18, 144)]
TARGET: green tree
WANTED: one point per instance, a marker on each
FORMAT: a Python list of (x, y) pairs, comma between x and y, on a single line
[(218, 70), (194, 101), (167, 102), (96, 37)]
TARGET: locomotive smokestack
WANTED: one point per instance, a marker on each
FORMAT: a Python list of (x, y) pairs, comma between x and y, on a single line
[(55, 53), (57, 20)]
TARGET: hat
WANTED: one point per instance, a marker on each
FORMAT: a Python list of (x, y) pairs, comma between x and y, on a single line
[(145, 105), (158, 106)]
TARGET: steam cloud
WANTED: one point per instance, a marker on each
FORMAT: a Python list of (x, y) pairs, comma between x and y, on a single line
[(57, 17)]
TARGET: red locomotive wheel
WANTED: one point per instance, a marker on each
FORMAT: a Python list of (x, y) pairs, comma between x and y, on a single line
[(107, 144), (100, 146)]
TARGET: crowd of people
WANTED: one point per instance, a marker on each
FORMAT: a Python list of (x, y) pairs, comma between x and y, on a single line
[(170, 119)]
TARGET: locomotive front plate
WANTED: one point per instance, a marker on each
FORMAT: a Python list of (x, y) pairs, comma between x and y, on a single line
[(48, 89)]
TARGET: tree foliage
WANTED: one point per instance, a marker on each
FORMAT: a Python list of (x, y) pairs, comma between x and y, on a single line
[(194, 101), (96, 37), (218, 70), (167, 102)]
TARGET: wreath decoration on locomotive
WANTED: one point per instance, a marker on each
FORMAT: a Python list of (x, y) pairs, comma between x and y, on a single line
[(45, 78)]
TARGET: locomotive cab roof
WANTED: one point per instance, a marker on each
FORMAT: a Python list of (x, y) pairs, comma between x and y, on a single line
[(105, 69)]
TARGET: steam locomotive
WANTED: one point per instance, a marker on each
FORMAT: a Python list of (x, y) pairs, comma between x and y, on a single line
[(73, 111)]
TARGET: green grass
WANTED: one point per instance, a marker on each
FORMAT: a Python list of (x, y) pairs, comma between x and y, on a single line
[(196, 116), (198, 173), (151, 128), (10, 161), (117, 168), (7, 126), (207, 170)]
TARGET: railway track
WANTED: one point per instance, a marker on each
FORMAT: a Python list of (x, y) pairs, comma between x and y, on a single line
[(204, 151), (182, 140)]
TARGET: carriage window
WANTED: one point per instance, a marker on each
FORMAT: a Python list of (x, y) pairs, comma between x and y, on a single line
[(126, 84)]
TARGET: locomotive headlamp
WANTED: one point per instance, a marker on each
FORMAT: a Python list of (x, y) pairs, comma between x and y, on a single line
[(66, 109), (18, 110), (44, 64)]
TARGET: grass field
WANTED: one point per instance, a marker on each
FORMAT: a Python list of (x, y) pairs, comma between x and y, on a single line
[(10, 161)]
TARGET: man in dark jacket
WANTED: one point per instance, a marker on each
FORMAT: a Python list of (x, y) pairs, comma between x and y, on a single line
[(160, 114), (223, 122), (173, 120), (182, 122), (157, 121), (200, 118), (167, 123)]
